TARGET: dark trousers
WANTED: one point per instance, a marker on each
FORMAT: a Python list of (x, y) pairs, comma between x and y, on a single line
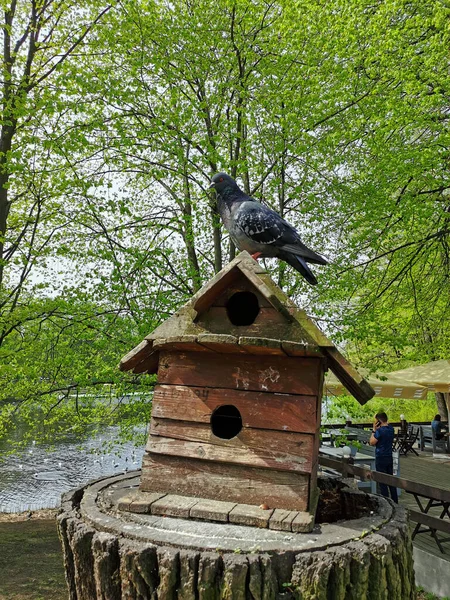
[(384, 464)]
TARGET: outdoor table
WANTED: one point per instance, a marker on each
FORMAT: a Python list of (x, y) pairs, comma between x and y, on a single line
[(443, 503)]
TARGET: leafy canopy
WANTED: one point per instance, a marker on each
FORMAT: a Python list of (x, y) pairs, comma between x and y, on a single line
[(115, 116)]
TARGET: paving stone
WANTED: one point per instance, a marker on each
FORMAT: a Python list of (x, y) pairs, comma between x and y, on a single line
[(112, 496), (125, 501), (143, 502), (212, 510), (302, 523), (246, 514), (281, 519), (173, 506), (287, 523)]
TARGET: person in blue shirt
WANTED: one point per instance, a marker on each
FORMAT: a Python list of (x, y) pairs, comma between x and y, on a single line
[(438, 427), (382, 438)]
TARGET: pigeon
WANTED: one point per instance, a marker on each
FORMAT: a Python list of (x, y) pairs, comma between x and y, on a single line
[(260, 230)]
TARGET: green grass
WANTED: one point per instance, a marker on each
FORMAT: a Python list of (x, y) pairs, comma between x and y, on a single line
[(423, 595), (31, 563)]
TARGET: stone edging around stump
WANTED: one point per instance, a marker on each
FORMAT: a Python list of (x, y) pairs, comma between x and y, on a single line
[(115, 555), (204, 509), (102, 513)]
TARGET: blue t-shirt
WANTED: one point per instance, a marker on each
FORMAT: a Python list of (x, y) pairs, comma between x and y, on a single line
[(385, 437), (437, 426)]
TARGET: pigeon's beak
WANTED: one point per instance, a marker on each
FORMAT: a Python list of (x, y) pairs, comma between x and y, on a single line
[(212, 184)]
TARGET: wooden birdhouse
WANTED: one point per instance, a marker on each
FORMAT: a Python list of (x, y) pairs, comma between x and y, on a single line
[(236, 408)]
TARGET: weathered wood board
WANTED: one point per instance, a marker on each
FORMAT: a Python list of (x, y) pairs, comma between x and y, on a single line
[(256, 373), (149, 364), (137, 355), (259, 410), (300, 349), (348, 375), (267, 449), (268, 323), (215, 288), (268, 346), (241, 284), (187, 343), (228, 482), (221, 342)]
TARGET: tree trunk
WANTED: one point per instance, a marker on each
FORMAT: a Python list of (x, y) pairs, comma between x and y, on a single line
[(101, 566), (189, 237), (4, 211), (104, 561), (215, 220), (442, 401)]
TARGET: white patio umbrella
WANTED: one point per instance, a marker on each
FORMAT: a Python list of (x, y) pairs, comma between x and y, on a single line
[(385, 386), (434, 375)]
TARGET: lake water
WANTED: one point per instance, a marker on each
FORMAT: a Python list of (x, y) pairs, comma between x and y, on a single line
[(37, 478)]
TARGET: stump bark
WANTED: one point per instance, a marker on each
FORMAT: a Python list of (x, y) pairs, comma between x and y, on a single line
[(104, 563)]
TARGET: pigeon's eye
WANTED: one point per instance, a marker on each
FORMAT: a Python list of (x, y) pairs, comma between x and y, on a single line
[(221, 179)]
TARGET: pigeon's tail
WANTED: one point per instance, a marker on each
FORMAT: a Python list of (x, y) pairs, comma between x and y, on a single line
[(301, 250), (301, 266)]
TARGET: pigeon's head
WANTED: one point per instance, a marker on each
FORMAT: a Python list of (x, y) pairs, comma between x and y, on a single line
[(221, 181)]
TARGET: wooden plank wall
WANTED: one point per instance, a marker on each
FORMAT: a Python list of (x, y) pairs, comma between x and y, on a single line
[(269, 323), (270, 461), (227, 482), (284, 374)]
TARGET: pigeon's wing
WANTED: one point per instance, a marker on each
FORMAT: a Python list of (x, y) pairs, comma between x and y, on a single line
[(266, 227), (260, 224)]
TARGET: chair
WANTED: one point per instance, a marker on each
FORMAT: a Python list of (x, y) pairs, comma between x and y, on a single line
[(405, 441), (428, 437)]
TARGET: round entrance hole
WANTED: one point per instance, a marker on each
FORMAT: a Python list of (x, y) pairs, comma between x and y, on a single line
[(242, 308), (226, 422)]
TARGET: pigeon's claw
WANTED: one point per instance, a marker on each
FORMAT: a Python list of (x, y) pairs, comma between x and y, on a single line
[(256, 255)]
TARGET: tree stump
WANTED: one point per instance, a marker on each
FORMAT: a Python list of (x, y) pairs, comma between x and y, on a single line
[(111, 553)]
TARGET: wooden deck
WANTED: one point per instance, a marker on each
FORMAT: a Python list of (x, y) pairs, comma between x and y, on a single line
[(431, 471)]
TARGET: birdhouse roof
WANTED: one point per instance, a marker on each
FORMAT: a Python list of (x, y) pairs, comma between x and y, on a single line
[(293, 333)]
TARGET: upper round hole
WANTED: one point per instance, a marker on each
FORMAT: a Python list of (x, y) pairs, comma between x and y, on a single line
[(242, 308)]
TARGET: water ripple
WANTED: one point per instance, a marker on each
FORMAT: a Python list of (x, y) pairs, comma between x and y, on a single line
[(37, 478)]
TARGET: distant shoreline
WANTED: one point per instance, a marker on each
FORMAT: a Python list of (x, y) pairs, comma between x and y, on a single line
[(29, 515)]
